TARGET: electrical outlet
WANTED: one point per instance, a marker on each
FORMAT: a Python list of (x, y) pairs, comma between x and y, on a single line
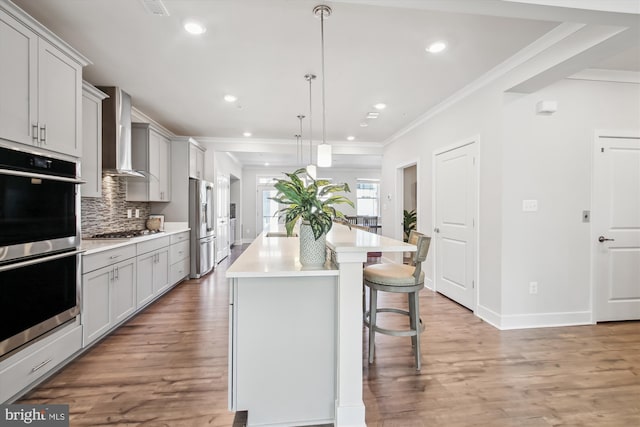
[(533, 288), (529, 205), (137, 213), (128, 213)]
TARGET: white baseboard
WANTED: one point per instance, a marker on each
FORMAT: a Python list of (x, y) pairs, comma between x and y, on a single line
[(533, 320), (428, 283), (545, 320), (489, 316)]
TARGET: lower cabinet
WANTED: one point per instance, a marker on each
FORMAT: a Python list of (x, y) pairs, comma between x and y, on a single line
[(31, 365), (116, 283), (153, 275), (108, 298), (179, 257)]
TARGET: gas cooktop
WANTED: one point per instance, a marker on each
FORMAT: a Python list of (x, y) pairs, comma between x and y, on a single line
[(126, 234)]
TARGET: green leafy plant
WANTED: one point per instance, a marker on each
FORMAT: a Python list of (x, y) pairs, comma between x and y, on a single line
[(306, 201), (409, 223)]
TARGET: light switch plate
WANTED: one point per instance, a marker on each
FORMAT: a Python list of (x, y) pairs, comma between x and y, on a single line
[(529, 205)]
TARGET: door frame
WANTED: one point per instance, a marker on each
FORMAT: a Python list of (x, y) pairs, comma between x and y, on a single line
[(593, 233), (476, 270), (398, 229)]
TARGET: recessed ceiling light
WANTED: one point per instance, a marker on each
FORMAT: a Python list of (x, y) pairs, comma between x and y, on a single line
[(364, 124), (230, 98), (380, 106), (266, 164), (193, 27), (246, 134), (351, 138), (436, 47)]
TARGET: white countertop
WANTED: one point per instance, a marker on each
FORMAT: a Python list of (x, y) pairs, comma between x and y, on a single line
[(92, 246), (275, 257), (280, 256), (341, 239)]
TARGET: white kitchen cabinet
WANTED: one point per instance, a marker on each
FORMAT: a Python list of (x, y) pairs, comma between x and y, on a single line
[(91, 163), (108, 291), (179, 257), (41, 86), (153, 269), (150, 153), (31, 365), (109, 297), (196, 161)]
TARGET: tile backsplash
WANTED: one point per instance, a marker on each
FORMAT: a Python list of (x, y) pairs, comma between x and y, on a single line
[(109, 212)]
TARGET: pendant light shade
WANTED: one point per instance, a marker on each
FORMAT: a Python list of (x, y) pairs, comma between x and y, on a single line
[(324, 155), (312, 171)]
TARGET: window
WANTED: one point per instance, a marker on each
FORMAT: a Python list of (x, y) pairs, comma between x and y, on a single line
[(368, 197)]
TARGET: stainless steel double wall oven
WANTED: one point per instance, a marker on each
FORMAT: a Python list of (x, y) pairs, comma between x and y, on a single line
[(39, 246)]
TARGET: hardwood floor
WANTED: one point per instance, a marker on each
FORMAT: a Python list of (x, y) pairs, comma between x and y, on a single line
[(168, 367)]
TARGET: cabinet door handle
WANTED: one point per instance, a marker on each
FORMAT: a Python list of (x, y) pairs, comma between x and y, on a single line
[(41, 365), (43, 134), (34, 133), (117, 273)]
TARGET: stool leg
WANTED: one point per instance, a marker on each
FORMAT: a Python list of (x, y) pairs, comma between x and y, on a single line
[(412, 323), (373, 306), (416, 322)]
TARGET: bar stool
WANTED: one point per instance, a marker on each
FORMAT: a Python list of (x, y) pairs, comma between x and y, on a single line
[(397, 278)]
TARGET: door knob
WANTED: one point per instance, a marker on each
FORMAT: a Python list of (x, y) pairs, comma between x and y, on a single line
[(604, 239), (437, 230)]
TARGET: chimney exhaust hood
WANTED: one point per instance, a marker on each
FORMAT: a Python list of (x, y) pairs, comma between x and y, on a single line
[(116, 133)]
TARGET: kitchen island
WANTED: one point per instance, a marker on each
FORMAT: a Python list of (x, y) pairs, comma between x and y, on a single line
[(295, 333)]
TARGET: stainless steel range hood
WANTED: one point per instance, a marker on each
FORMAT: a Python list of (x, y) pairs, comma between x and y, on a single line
[(116, 133)]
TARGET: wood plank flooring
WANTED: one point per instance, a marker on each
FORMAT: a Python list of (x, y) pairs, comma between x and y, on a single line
[(168, 367)]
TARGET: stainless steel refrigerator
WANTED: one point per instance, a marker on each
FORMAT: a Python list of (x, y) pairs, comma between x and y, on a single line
[(201, 222)]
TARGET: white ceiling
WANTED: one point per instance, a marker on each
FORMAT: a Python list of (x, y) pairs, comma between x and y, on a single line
[(260, 50)]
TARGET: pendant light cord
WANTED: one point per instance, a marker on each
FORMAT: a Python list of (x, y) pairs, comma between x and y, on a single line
[(310, 78), (324, 110)]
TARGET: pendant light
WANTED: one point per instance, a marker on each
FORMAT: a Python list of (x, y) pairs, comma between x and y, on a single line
[(299, 159), (311, 168), (324, 149)]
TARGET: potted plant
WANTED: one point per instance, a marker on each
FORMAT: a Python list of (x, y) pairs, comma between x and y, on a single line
[(312, 202), (409, 223)]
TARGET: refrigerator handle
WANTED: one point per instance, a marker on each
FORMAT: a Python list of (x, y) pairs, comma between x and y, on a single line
[(206, 217)]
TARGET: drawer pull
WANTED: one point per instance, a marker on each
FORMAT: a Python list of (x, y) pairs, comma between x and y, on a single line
[(41, 365), (114, 256)]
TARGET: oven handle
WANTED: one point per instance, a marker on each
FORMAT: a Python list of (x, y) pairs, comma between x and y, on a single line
[(38, 260), (41, 176)]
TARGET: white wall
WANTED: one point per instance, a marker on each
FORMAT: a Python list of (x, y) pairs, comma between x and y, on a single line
[(523, 156), (478, 115), (249, 191), (548, 158)]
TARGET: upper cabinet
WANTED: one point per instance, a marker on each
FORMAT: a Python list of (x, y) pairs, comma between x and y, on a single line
[(150, 154), (41, 85), (91, 163), (196, 160)]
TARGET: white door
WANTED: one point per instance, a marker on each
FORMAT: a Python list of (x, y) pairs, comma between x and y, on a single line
[(616, 228), (455, 238), (222, 215), (267, 220)]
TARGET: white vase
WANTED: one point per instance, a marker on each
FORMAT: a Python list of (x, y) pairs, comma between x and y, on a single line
[(312, 251)]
